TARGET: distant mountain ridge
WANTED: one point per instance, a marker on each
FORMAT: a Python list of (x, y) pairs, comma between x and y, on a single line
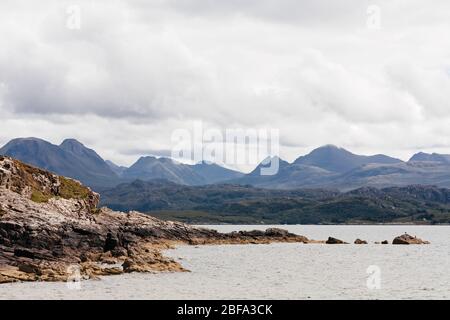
[(72, 159), (336, 159), (328, 167), (213, 173), (434, 157), (336, 168)]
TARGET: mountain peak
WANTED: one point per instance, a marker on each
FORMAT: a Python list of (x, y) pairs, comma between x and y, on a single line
[(29, 150), (336, 159), (204, 172), (70, 159), (269, 159), (75, 146), (266, 163), (330, 147), (146, 158), (433, 157), (71, 141), (26, 140)]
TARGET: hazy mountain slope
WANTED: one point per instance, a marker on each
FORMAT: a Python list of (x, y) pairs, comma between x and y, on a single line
[(324, 167), (336, 168), (401, 174), (89, 159), (71, 159), (213, 173), (434, 157), (42, 154), (149, 168), (370, 175), (336, 159), (116, 168), (245, 204), (289, 176)]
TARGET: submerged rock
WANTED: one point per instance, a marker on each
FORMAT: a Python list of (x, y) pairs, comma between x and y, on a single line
[(408, 239)]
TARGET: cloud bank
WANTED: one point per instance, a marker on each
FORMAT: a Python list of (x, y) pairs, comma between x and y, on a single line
[(136, 70)]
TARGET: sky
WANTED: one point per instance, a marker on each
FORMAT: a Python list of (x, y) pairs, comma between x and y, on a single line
[(123, 76)]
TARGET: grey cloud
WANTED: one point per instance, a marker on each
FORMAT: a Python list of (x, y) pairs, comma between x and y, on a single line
[(301, 12), (137, 69)]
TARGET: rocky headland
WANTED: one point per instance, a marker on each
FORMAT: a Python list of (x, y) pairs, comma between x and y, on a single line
[(50, 226)]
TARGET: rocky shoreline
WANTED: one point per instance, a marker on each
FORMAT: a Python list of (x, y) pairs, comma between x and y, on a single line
[(52, 230), (50, 225)]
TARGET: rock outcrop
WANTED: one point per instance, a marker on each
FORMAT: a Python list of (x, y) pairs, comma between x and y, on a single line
[(332, 240), (408, 239), (359, 241), (52, 230)]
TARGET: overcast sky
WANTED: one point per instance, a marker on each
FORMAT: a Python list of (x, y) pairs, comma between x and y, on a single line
[(317, 70)]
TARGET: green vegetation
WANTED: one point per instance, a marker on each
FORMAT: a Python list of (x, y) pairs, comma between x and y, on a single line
[(71, 189), (246, 204), (200, 217), (68, 189), (40, 197)]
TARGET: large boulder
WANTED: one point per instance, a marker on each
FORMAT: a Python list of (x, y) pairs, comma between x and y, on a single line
[(408, 239), (359, 241)]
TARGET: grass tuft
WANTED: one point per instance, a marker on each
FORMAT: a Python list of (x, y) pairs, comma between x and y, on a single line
[(71, 189), (39, 197)]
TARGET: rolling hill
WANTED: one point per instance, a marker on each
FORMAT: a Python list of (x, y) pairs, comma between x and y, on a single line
[(226, 203)]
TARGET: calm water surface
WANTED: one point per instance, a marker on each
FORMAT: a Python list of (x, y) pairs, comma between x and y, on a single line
[(283, 271)]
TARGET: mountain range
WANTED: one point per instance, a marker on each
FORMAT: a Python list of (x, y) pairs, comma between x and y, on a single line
[(327, 167), (72, 159), (149, 168), (336, 168)]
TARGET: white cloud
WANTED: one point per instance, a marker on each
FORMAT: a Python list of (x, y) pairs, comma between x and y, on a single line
[(136, 70)]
